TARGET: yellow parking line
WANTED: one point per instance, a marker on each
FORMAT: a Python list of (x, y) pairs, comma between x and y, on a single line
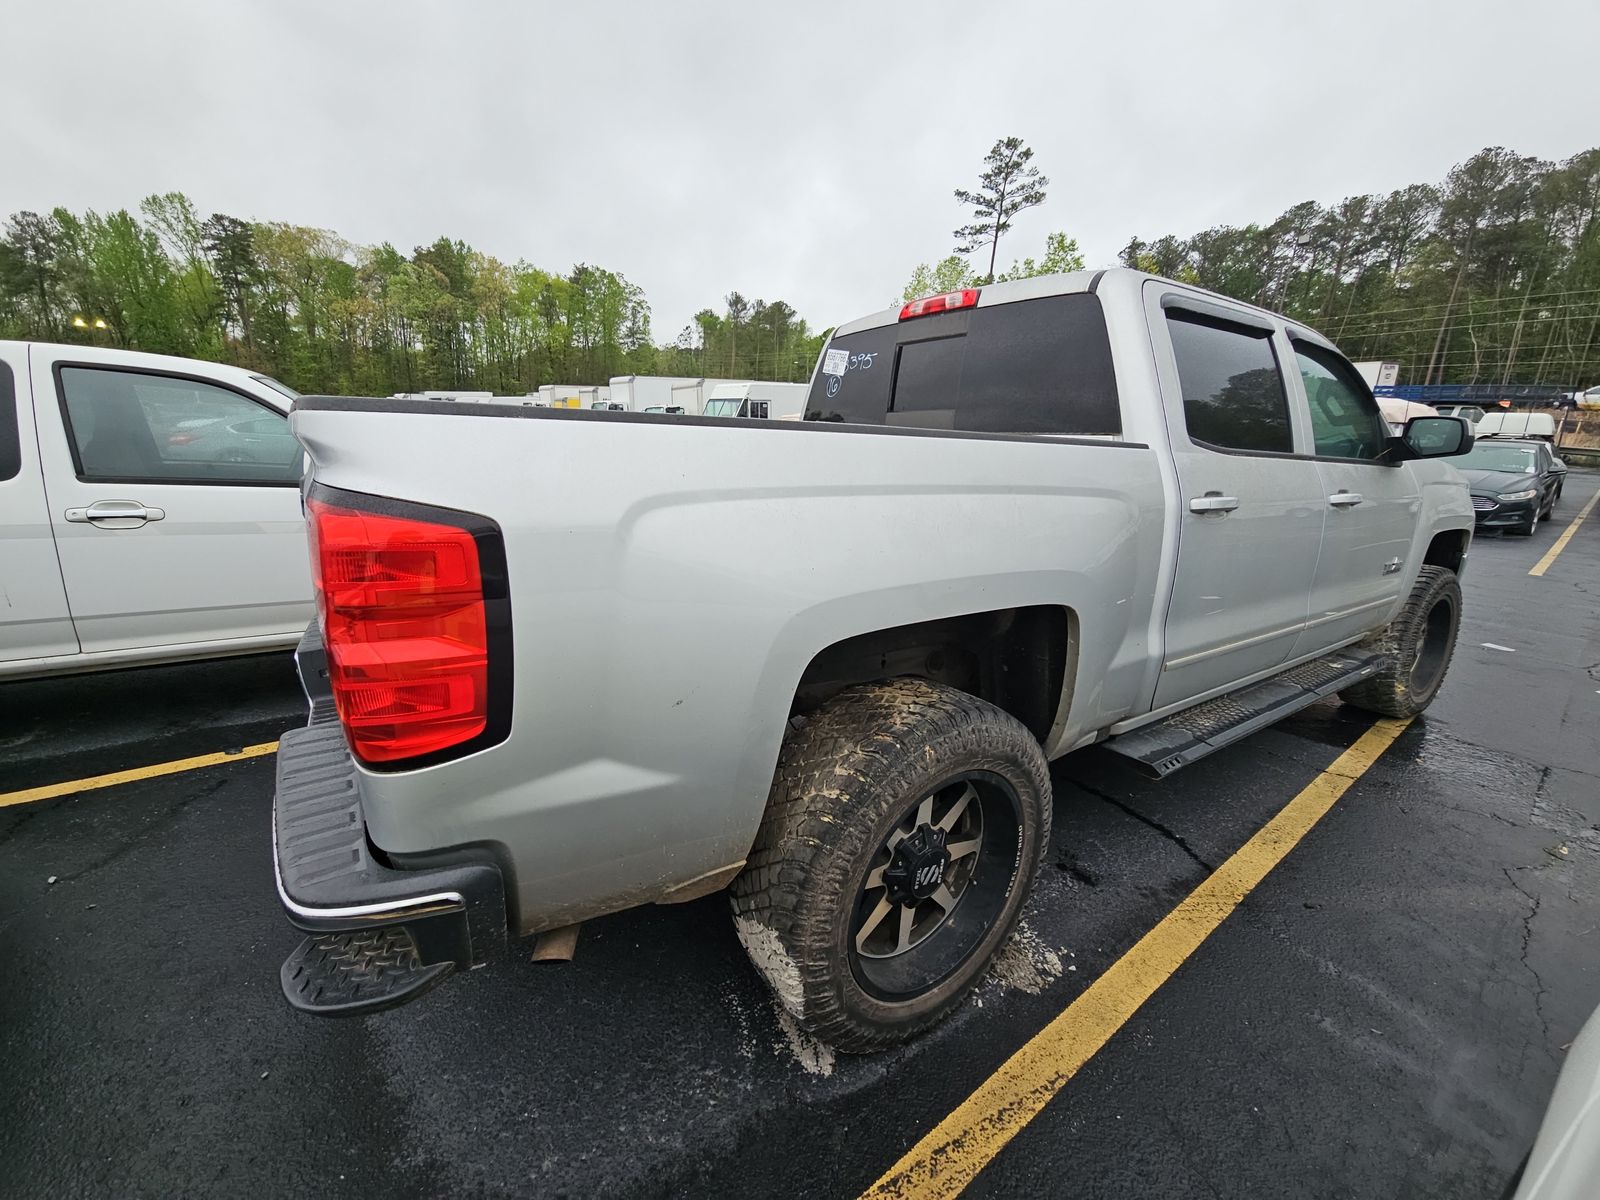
[(955, 1150), (176, 766), (1543, 565)]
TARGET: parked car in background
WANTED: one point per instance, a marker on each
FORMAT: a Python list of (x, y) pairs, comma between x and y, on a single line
[(1017, 520), (149, 510), (1469, 411), (1514, 483)]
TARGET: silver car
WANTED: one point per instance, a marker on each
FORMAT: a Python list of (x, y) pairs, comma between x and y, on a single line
[(1565, 1161)]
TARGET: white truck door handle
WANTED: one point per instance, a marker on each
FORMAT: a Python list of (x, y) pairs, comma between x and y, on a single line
[(1345, 499), (1213, 502), (115, 514)]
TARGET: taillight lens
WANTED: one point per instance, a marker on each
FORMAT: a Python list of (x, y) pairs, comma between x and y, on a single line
[(406, 631), (965, 298)]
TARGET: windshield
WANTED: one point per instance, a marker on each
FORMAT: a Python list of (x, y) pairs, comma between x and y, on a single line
[(722, 408), (1487, 457)]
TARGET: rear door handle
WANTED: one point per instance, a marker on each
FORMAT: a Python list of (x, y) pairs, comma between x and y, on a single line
[(1345, 499), (1213, 502), (115, 514)]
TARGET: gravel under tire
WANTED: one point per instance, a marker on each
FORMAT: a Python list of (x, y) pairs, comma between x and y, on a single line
[(1390, 693), (846, 775)]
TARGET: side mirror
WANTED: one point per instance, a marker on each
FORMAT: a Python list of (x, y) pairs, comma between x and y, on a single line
[(1437, 437)]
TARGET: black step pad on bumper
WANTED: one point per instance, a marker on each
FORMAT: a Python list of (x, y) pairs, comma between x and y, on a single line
[(347, 974), (1180, 739), (381, 935)]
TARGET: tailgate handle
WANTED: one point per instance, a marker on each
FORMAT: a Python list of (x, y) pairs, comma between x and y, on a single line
[(1345, 499), (113, 514), (1213, 502)]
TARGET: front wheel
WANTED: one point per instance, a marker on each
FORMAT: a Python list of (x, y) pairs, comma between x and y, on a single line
[(905, 826), (1419, 643)]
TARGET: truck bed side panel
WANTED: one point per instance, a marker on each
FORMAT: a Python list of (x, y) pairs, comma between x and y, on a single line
[(670, 582)]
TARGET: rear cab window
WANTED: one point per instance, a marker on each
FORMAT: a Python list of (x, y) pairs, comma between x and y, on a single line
[(1040, 366)]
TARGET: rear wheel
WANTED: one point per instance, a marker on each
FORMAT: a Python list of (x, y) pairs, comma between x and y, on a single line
[(1419, 643), (905, 827)]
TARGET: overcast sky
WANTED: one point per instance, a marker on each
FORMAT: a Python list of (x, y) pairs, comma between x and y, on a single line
[(802, 152)]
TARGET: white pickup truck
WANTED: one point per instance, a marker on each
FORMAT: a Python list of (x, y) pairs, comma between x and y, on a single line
[(149, 511), (825, 663)]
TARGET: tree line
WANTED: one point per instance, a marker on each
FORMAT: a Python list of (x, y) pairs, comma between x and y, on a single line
[(326, 315), (1492, 276)]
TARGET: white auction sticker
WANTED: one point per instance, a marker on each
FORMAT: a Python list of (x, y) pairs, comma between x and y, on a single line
[(834, 362)]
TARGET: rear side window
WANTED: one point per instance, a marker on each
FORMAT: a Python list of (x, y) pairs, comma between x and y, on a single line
[(10, 440), (1345, 420), (1233, 395), (1036, 366), (144, 428)]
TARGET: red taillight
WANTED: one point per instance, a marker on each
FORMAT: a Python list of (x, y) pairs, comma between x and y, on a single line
[(180, 439), (965, 298), (404, 622)]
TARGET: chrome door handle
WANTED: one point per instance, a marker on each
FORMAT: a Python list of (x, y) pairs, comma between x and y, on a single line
[(1345, 499), (1213, 502), (115, 514)]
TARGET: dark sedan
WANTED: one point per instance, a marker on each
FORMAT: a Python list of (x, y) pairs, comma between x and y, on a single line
[(1514, 483)]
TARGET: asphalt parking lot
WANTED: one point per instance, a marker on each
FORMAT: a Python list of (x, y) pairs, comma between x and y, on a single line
[(1383, 1015)]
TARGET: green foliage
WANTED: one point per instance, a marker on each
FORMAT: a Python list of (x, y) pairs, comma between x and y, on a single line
[(324, 315), (750, 340), (1492, 276), (946, 275), (1061, 255), (1006, 186)]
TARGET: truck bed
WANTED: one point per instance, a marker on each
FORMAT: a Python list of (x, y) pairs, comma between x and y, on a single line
[(671, 579)]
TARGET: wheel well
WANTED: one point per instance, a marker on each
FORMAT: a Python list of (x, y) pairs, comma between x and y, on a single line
[(1447, 549), (1015, 658)]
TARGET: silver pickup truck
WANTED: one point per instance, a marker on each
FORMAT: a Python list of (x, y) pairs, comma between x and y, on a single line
[(569, 662)]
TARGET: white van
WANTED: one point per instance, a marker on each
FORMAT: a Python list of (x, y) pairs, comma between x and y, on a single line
[(1507, 423), (758, 401)]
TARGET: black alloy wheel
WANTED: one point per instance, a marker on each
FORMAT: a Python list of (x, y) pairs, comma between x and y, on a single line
[(936, 885)]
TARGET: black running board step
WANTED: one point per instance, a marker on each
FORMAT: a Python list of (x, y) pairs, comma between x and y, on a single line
[(360, 971), (1186, 736)]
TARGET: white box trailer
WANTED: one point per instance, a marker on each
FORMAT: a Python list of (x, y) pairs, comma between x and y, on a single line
[(758, 400), (644, 393), (566, 395)]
